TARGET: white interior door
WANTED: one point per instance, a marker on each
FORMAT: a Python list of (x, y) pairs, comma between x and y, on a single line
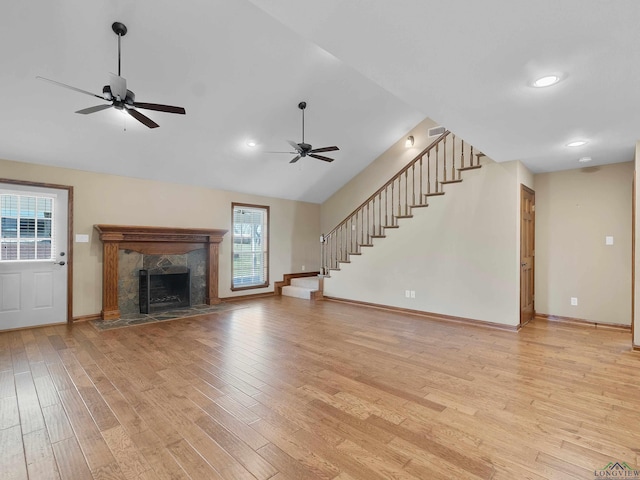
[(33, 257)]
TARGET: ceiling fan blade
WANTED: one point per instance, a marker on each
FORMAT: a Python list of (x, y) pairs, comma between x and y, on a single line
[(324, 149), (295, 146), (295, 159), (64, 85), (142, 118), (160, 108), (118, 86), (95, 109), (320, 157)]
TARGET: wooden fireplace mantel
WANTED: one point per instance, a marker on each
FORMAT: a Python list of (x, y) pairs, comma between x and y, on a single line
[(154, 241)]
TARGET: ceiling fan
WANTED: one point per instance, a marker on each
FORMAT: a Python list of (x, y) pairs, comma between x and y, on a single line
[(116, 92), (304, 149)]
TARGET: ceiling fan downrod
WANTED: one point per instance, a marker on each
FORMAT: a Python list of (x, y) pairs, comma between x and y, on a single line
[(302, 106), (119, 29)]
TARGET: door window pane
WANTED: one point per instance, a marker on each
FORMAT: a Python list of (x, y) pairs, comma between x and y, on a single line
[(26, 227)]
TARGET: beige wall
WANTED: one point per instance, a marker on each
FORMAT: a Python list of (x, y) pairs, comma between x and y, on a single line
[(575, 210), (460, 255), (110, 199)]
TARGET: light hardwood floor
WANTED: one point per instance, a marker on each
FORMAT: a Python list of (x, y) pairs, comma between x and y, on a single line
[(290, 389)]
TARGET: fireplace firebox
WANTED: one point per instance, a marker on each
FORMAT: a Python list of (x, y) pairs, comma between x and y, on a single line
[(165, 288)]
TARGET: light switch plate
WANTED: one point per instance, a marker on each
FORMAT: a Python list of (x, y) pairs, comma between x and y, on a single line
[(82, 238), (608, 240)]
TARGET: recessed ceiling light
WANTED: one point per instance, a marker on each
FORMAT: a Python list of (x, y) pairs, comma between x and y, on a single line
[(251, 143), (546, 81), (577, 143), (585, 159)]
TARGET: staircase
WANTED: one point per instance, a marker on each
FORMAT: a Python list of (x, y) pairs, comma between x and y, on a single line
[(304, 287), (441, 163)]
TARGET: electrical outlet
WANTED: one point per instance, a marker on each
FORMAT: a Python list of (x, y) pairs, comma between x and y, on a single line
[(413, 294), (574, 301), (407, 293)]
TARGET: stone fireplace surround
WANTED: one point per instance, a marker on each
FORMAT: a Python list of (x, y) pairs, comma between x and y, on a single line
[(155, 241)]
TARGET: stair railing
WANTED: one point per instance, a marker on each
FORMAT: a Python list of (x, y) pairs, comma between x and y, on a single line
[(437, 165)]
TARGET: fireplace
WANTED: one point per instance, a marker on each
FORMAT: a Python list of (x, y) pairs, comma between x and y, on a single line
[(155, 241), (164, 289)]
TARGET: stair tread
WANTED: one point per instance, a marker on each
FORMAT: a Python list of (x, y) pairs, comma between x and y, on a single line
[(391, 226), (378, 236), (419, 205), (433, 194), (446, 182), (355, 253), (366, 244), (404, 216), (473, 167)]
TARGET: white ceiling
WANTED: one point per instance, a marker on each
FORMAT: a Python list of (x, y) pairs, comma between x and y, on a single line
[(369, 71)]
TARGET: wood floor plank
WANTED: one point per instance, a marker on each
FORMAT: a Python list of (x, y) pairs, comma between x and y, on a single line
[(132, 463), (58, 425), (30, 412), (289, 389), (163, 464), (41, 463), (70, 460), (14, 465), (9, 413)]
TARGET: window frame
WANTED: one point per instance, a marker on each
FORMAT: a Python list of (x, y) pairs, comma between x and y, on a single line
[(265, 245)]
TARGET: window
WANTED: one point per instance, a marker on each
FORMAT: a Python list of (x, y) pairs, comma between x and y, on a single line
[(26, 227), (250, 265)]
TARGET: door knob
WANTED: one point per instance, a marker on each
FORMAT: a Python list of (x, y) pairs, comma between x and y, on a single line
[(523, 264), (60, 263)]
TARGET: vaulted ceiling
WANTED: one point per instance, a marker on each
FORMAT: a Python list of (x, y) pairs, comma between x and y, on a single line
[(369, 71)]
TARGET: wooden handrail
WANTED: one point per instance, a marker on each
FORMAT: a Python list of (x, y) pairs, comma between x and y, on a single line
[(366, 221), (393, 179)]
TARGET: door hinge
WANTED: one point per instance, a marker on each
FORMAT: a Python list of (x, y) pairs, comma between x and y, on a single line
[(533, 208)]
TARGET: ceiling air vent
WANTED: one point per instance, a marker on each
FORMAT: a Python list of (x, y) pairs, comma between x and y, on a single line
[(435, 131)]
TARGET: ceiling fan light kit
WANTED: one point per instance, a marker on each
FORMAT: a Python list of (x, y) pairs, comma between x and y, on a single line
[(117, 93)]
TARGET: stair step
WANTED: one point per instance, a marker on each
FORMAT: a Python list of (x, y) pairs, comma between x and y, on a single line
[(344, 261), (433, 194), (354, 253), (378, 236), (404, 216), (366, 244), (334, 269), (473, 167), (419, 205), (391, 226), (297, 292), (447, 182)]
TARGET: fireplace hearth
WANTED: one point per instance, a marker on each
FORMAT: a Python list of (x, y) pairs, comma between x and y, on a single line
[(164, 288)]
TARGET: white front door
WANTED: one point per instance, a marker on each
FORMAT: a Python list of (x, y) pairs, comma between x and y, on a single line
[(33, 256)]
